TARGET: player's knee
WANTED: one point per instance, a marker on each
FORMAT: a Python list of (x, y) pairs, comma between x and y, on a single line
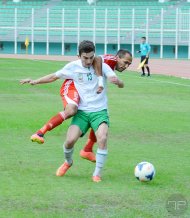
[(70, 111), (69, 143), (73, 111), (102, 135), (102, 140)]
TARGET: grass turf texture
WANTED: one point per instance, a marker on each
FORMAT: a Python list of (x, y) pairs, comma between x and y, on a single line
[(149, 121)]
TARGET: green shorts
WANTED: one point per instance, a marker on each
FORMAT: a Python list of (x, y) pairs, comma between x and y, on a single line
[(85, 120)]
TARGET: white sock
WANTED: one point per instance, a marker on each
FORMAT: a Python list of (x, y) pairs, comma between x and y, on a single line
[(101, 156), (68, 152)]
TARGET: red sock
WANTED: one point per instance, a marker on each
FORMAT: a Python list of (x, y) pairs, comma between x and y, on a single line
[(91, 141), (52, 123)]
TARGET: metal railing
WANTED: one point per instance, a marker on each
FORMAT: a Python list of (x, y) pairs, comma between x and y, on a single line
[(101, 26)]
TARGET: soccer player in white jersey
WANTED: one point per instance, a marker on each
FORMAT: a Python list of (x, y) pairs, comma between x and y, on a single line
[(92, 110)]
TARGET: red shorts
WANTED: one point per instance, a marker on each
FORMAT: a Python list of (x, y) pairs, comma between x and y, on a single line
[(69, 93)]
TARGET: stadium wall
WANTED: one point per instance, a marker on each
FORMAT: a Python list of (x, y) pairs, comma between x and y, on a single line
[(71, 49)]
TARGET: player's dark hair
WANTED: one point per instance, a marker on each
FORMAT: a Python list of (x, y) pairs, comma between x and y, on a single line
[(86, 47), (143, 37), (122, 52)]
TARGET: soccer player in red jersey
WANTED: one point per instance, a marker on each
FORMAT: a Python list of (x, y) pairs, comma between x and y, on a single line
[(71, 98)]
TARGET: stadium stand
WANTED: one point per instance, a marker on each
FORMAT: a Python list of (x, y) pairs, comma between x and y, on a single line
[(86, 26)]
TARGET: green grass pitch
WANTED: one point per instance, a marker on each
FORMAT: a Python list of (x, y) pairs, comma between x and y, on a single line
[(150, 120)]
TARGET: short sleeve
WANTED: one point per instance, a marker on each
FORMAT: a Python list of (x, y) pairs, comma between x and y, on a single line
[(107, 71), (66, 72)]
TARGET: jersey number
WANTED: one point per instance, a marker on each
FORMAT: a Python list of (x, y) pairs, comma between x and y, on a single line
[(89, 76)]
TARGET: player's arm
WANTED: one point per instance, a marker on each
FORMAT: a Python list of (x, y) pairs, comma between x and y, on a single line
[(112, 77), (115, 80), (65, 73), (97, 64), (45, 79)]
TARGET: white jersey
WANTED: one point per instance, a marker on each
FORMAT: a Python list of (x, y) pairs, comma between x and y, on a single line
[(86, 83)]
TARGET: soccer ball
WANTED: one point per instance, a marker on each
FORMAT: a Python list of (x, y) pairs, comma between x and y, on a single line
[(144, 171)]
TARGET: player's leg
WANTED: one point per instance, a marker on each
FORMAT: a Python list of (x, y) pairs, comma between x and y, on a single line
[(79, 127), (147, 67), (70, 99), (99, 121), (101, 155), (87, 151), (73, 135), (58, 119), (143, 73)]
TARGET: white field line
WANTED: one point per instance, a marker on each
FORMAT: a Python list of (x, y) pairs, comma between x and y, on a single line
[(172, 83)]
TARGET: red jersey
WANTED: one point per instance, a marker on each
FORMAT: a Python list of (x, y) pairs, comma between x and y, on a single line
[(110, 60)]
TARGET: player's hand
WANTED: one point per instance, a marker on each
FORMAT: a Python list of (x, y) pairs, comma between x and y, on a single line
[(138, 51), (23, 81), (147, 56), (30, 81), (120, 84), (100, 89)]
